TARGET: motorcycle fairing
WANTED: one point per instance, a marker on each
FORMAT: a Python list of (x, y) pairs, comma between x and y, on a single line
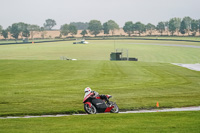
[(88, 96), (99, 104), (89, 103), (108, 109)]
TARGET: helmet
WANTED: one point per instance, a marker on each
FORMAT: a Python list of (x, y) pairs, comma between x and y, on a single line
[(87, 90)]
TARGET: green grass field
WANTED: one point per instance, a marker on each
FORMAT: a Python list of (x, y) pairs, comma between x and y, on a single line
[(34, 81), (100, 50), (181, 122), (39, 87)]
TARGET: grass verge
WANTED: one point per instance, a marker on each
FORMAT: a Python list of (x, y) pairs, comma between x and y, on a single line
[(182, 122)]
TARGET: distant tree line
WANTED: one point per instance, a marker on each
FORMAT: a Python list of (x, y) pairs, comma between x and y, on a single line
[(26, 30), (184, 26)]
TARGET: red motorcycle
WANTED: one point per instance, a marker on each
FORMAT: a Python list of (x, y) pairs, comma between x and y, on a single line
[(93, 105)]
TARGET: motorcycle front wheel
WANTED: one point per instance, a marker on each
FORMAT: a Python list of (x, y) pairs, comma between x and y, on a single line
[(90, 110), (115, 109)]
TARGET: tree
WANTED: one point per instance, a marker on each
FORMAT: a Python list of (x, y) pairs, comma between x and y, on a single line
[(166, 26), (33, 28), (177, 24), (128, 28), (172, 27), (72, 29), (22, 26), (64, 30), (80, 25), (188, 21), (25, 33), (112, 25), (84, 32), (14, 31), (50, 23), (194, 27), (1, 28), (182, 29), (95, 27), (105, 28), (139, 27), (160, 27), (198, 23), (4, 33), (150, 27)]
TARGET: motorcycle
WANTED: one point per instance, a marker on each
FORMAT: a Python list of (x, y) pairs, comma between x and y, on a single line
[(93, 105)]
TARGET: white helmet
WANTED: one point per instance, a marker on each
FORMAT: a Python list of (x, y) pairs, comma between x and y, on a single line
[(87, 90)]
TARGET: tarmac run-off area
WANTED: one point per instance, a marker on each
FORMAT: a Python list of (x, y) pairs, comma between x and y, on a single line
[(195, 67)]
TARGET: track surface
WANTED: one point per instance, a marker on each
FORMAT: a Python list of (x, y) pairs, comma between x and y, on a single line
[(197, 108), (175, 45), (195, 67)]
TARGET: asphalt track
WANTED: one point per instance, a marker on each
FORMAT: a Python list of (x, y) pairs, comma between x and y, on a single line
[(175, 45), (195, 67), (197, 108)]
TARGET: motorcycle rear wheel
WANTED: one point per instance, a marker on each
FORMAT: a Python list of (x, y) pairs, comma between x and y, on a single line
[(115, 109), (90, 110)]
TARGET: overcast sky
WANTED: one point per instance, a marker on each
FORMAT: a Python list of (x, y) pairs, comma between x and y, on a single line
[(121, 11)]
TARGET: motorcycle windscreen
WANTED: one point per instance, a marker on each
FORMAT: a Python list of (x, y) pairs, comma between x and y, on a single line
[(99, 104)]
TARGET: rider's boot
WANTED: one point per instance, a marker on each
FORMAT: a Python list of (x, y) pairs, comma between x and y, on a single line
[(109, 103)]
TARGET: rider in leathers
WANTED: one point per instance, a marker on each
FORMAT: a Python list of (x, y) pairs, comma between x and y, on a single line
[(88, 91)]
